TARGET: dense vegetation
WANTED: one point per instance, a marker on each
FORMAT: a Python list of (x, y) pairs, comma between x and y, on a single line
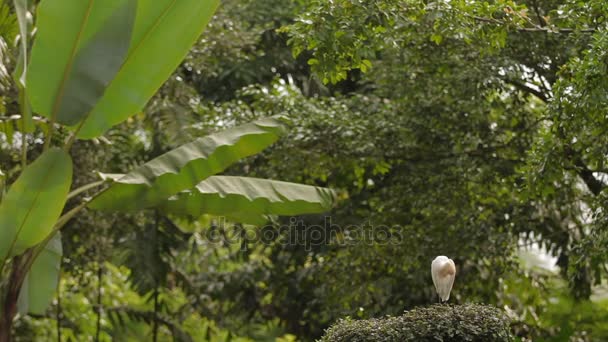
[(462, 128), (471, 322)]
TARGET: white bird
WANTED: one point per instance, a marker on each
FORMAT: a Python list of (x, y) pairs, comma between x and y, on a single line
[(443, 271)]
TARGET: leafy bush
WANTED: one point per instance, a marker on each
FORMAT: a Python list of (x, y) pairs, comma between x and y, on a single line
[(470, 322)]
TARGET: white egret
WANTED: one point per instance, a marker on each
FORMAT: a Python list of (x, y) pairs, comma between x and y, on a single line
[(443, 271)]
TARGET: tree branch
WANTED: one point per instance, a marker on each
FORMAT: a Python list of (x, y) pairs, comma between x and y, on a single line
[(593, 184), (535, 28), (523, 87), (541, 20)]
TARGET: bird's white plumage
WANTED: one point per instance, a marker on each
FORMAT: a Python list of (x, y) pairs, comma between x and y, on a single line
[(443, 271)]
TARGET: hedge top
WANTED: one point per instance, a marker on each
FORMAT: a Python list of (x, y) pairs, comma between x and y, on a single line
[(469, 322)]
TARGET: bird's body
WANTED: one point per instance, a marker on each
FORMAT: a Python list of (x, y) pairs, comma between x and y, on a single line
[(443, 272)]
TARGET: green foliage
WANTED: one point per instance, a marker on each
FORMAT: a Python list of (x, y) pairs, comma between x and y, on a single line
[(466, 127), (346, 35), (34, 202), (41, 281), (149, 61), (471, 322), (184, 167), (9, 29), (249, 200), (99, 61), (148, 252), (109, 62), (542, 307), (68, 78)]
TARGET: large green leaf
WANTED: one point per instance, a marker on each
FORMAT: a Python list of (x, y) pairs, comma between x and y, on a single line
[(249, 199), (163, 34), (79, 48), (34, 202), (41, 282), (186, 166)]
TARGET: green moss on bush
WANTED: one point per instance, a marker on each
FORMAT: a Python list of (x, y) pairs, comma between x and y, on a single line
[(470, 322)]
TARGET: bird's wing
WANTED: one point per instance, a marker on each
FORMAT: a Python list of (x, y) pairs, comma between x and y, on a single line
[(435, 268), (445, 280)]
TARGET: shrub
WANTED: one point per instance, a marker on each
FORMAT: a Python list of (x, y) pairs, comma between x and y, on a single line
[(470, 322)]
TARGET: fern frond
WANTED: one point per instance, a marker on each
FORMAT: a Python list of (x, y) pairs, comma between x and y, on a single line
[(119, 315)]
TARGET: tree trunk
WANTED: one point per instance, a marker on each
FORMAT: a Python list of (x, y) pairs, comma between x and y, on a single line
[(9, 306)]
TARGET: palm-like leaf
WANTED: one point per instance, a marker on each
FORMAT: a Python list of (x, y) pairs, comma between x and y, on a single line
[(184, 167), (249, 200), (68, 76)]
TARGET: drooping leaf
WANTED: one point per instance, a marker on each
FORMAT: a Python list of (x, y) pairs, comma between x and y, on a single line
[(41, 282), (163, 34), (248, 200), (186, 166), (34, 202), (81, 45)]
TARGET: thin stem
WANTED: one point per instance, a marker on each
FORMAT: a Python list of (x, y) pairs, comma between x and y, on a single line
[(69, 215), (72, 138), (541, 20), (70, 142), (524, 87), (156, 304), (84, 188), (21, 265), (11, 296), (47, 142), (99, 307), (535, 27), (26, 111), (58, 225), (155, 323), (109, 179), (58, 314), (23, 148)]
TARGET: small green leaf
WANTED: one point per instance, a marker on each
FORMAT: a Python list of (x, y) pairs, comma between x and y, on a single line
[(436, 38), (186, 166), (34, 202)]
